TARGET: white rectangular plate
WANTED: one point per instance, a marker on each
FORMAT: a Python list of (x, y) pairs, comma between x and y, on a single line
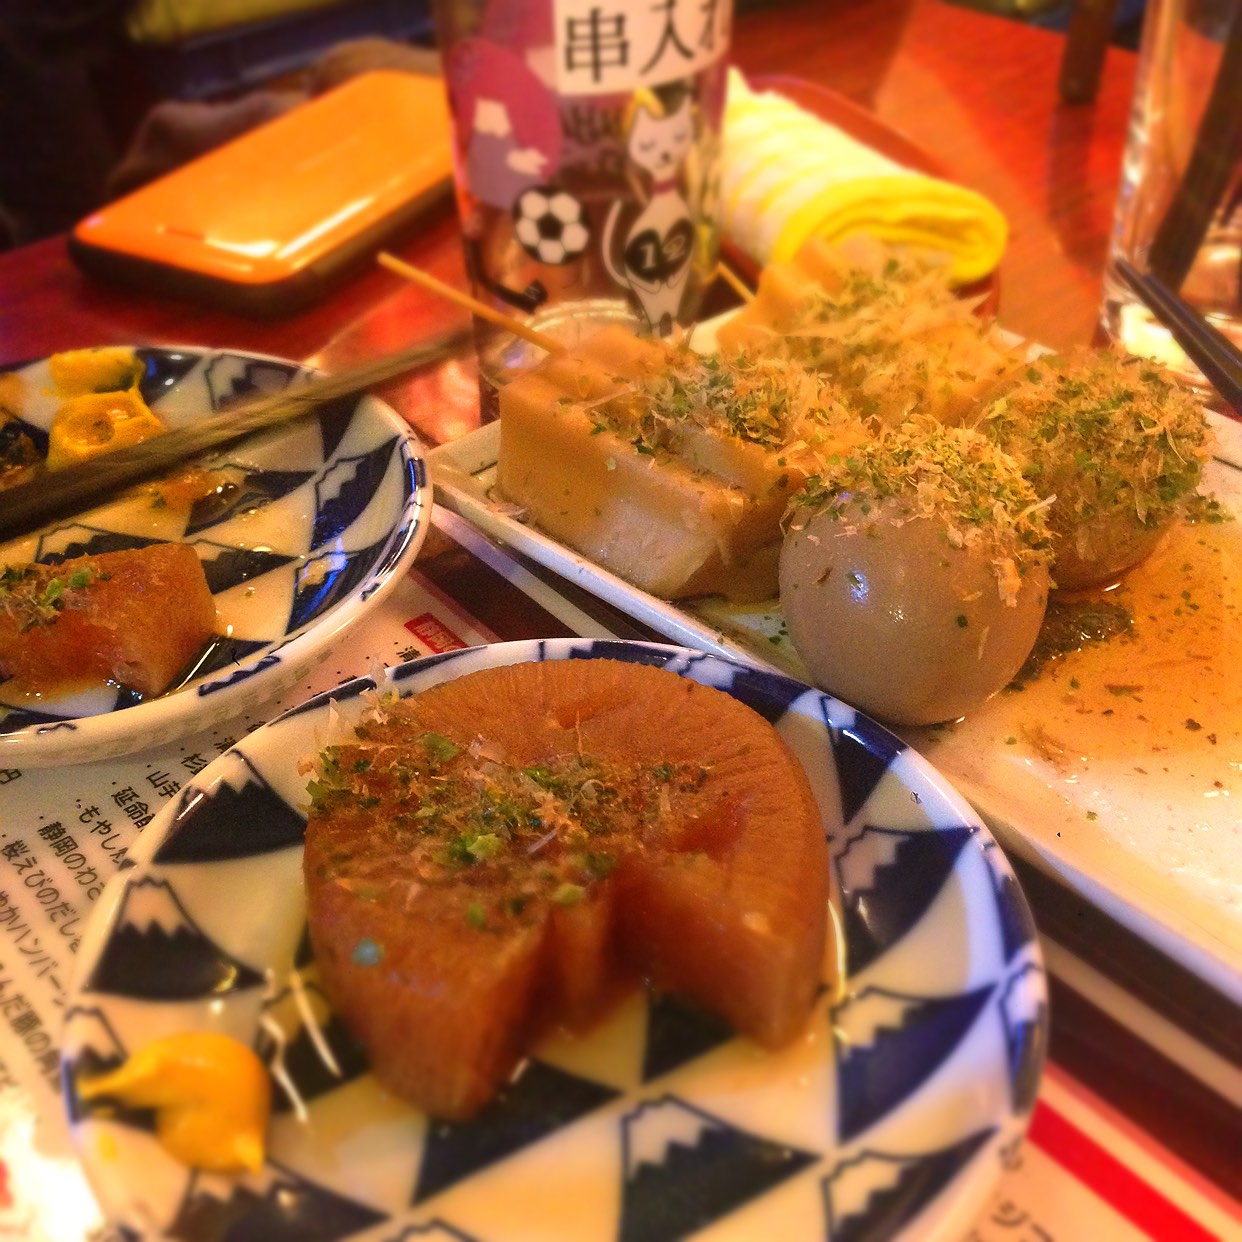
[(1157, 851)]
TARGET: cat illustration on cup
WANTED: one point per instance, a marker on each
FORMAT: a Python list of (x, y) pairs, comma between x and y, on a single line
[(650, 252)]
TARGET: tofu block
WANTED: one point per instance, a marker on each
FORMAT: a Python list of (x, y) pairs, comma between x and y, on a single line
[(135, 617), (700, 514)]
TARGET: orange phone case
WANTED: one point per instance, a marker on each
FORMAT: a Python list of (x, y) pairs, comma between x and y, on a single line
[(272, 220)]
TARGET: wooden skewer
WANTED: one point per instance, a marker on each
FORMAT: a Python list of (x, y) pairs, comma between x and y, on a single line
[(472, 304), (734, 281)]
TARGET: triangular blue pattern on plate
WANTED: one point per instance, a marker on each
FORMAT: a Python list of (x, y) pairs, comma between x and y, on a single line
[(433, 1231), (326, 580), (339, 694), (629, 653), (862, 753), (18, 718), (155, 951), (229, 567), (889, 878), (769, 695), (238, 675), (544, 1099), (257, 489), (240, 816), (912, 1182), (387, 562), (881, 1063), (163, 369), (276, 1206), (1014, 915), (223, 653), (90, 1047), (672, 1187), (334, 419), (345, 490), (679, 1031), (1024, 1011), (310, 1075), (229, 377), (416, 668), (61, 545)]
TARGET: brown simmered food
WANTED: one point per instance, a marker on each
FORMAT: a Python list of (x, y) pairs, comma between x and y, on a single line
[(1120, 445), (914, 576), (888, 328), (493, 856), (666, 468), (135, 617)]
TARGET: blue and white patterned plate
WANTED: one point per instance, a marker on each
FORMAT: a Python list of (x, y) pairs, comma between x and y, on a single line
[(890, 1119), (324, 516)]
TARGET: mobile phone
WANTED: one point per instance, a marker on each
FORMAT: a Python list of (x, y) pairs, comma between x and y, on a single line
[(271, 221)]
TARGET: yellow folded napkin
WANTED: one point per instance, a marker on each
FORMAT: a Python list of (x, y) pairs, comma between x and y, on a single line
[(788, 176)]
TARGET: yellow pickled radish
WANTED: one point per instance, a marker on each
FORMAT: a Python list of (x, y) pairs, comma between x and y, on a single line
[(94, 423), (212, 1096)]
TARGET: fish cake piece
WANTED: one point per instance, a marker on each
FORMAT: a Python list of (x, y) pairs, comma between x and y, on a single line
[(135, 617)]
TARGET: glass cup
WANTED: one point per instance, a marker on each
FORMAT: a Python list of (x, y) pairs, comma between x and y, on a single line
[(1179, 208), (587, 142)]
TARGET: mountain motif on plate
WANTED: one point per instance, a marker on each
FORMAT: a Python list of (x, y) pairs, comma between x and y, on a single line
[(1016, 924), (238, 816), (876, 1194), (254, 490), (889, 878), (89, 1049), (678, 1031), (345, 490), (229, 377), (890, 1044), (162, 371), (66, 543), (1024, 1011), (863, 751), (327, 579), (685, 1168), (156, 952), (276, 1205), (317, 1056), (226, 567), (540, 1101)]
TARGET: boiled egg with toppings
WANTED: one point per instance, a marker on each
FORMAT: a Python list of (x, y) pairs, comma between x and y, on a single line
[(914, 574), (1119, 445)]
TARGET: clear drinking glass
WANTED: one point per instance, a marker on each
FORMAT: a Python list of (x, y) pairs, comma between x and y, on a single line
[(587, 136), (1179, 209)]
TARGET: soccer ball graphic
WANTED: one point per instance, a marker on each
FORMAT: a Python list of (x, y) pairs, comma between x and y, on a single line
[(550, 224)]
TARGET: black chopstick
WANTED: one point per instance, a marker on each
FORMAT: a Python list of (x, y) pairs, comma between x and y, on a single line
[(1209, 170), (58, 494), (1211, 351)]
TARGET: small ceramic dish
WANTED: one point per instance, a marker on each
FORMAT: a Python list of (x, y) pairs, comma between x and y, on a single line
[(321, 518), (890, 1118)]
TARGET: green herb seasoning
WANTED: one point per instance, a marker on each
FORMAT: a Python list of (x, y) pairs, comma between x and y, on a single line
[(953, 474), (512, 839), (34, 595), (1105, 434)]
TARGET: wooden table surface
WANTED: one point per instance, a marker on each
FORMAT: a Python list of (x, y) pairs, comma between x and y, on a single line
[(977, 93)]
